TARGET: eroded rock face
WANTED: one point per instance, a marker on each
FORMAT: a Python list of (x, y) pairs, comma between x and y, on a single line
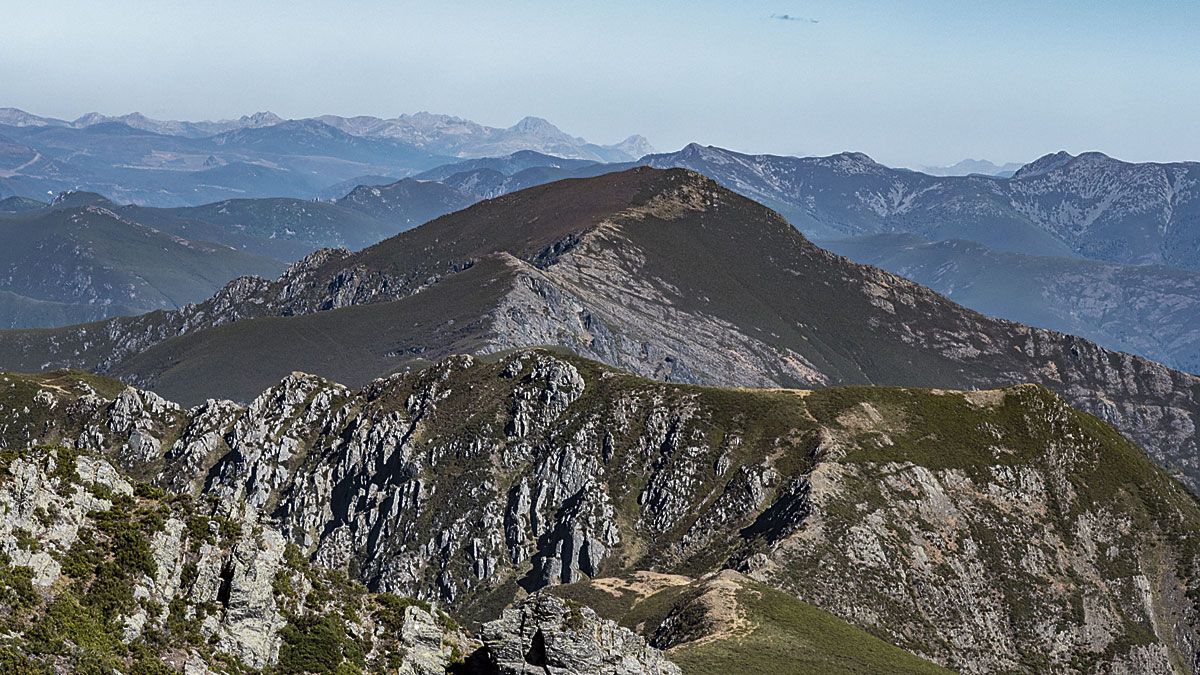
[(543, 634), (205, 594), (982, 530)]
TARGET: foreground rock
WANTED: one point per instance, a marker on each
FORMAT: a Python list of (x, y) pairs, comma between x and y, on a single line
[(544, 634)]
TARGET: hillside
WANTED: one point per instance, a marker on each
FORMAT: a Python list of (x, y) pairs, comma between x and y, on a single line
[(662, 273), (288, 229), (82, 259), (986, 531), (727, 623), (404, 204), (1149, 310)]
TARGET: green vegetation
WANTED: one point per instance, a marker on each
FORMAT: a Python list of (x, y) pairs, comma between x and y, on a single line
[(318, 644), (790, 637)]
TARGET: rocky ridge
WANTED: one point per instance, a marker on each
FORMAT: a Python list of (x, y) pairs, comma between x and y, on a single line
[(981, 530)]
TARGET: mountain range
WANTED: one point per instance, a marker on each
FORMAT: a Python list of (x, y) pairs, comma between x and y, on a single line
[(1150, 310), (132, 158), (83, 258), (611, 417), (973, 166), (659, 272), (632, 525)]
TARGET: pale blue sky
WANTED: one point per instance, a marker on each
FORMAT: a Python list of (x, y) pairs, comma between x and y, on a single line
[(908, 83)]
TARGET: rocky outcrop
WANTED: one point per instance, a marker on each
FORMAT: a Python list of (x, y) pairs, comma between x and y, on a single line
[(93, 570), (544, 634), (985, 530)]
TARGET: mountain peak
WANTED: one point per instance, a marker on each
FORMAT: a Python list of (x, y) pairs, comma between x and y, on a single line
[(264, 118), (1045, 164), (535, 125), (635, 146), (73, 198)]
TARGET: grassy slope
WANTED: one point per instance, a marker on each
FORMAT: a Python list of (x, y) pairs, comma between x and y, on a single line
[(19, 311), (791, 637), (783, 635)]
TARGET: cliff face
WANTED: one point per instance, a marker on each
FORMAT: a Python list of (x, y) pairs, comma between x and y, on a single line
[(986, 530)]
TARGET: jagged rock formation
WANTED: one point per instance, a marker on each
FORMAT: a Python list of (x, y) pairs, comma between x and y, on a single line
[(543, 634), (662, 273), (100, 574), (982, 530)]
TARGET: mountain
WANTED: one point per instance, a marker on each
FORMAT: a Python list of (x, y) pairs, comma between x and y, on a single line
[(342, 188), (1089, 206), (448, 135), (14, 117), (288, 229), (20, 205), (80, 259), (1149, 310), (662, 273), (973, 166), (310, 138), (405, 203), (179, 128), (506, 165), (137, 159), (986, 531)]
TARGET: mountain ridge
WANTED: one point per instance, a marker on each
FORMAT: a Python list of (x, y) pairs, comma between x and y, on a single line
[(473, 481), (640, 269)]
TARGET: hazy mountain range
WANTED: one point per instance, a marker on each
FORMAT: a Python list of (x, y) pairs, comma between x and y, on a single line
[(972, 166), (1144, 310), (132, 158)]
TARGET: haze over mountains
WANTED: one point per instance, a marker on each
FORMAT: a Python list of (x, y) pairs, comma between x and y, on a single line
[(971, 166), (132, 158)]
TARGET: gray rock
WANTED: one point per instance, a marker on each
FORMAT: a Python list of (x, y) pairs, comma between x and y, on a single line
[(544, 635)]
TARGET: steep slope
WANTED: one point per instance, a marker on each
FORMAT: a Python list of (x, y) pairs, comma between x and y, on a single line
[(102, 573), (1148, 310), (989, 530), (662, 273)]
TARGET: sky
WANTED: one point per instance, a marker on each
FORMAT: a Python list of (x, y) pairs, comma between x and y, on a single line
[(910, 83)]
